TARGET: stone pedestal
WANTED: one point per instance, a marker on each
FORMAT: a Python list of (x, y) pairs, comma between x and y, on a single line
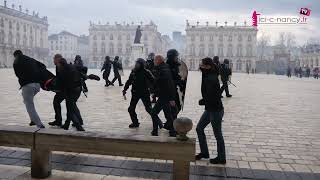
[(136, 52)]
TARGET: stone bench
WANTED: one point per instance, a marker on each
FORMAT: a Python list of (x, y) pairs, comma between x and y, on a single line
[(43, 141)]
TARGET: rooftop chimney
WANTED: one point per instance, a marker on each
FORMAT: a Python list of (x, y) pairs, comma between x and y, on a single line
[(20, 8), (5, 3)]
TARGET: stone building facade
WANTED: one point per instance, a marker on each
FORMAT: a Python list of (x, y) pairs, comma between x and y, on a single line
[(69, 45), (236, 43), (21, 30), (310, 56), (117, 40)]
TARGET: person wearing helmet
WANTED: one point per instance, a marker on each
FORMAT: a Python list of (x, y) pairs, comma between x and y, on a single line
[(150, 67), (106, 68), (78, 63), (140, 79), (225, 75), (117, 66)]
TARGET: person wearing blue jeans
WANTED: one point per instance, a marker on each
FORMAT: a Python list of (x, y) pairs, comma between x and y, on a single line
[(211, 99)]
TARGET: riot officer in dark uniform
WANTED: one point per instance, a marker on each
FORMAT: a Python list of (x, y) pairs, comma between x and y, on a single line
[(150, 67), (173, 62), (117, 66), (225, 72), (140, 79), (78, 63), (106, 68)]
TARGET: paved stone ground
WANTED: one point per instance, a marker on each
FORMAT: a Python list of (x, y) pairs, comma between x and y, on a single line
[(271, 123)]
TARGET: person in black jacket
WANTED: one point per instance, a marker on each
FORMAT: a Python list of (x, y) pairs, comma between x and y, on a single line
[(211, 99), (140, 79), (69, 81), (106, 68), (117, 66), (226, 72), (28, 71), (78, 63), (150, 67), (165, 91)]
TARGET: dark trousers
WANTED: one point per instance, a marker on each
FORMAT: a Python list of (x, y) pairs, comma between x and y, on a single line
[(57, 100), (225, 87), (133, 103), (73, 112), (215, 118), (165, 106), (106, 74), (117, 76)]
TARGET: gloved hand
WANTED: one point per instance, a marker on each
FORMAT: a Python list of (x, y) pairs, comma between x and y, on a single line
[(201, 102)]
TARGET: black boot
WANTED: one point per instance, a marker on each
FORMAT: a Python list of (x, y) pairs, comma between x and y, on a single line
[(134, 125), (32, 123), (55, 123), (217, 161), (80, 128), (66, 125), (229, 96), (201, 156), (154, 133)]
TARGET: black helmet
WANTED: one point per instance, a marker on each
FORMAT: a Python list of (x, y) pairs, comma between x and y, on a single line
[(107, 58), (116, 58), (226, 61), (172, 53), (77, 57), (141, 61)]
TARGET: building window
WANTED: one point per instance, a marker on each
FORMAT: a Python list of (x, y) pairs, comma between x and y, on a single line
[(201, 38), (249, 51), (95, 49), (1, 22), (192, 37), (201, 50), (18, 27), (120, 48), (103, 48), (24, 28), (230, 53), (10, 25), (211, 50), (211, 37), (10, 38), (220, 50), (111, 37), (230, 38), (119, 37), (128, 37), (103, 37), (18, 39), (2, 35), (249, 38), (239, 38), (94, 37), (25, 40), (221, 38), (192, 50), (111, 48), (239, 50), (128, 49)]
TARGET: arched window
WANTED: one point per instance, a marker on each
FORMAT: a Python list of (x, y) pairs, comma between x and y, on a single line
[(220, 50), (192, 50), (103, 37), (128, 36), (128, 49), (2, 35), (111, 48), (18, 26), (95, 37), (249, 38), (211, 37), (95, 49), (201, 50), (211, 50), (221, 38), (249, 51), (193, 38), (103, 47), (120, 48), (10, 25), (239, 37), (202, 38), (1, 22), (25, 40), (18, 39), (10, 38), (24, 28), (111, 37), (239, 50), (119, 37), (230, 38), (41, 42), (31, 41), (230, 53)]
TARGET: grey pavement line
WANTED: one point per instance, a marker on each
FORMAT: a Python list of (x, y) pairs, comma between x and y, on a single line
[(132, 168)]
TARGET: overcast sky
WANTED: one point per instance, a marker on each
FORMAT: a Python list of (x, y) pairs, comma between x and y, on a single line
[(171, 15)]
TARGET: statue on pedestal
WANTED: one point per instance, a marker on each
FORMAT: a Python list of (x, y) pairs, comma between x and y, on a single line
[(137, 38)]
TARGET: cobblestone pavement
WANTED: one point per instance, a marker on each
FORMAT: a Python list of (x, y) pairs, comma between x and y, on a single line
[(270, 123)]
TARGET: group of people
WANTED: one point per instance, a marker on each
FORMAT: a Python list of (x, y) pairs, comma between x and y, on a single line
[(304, 72), (68, 83), (156, 79), (106, 68)]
